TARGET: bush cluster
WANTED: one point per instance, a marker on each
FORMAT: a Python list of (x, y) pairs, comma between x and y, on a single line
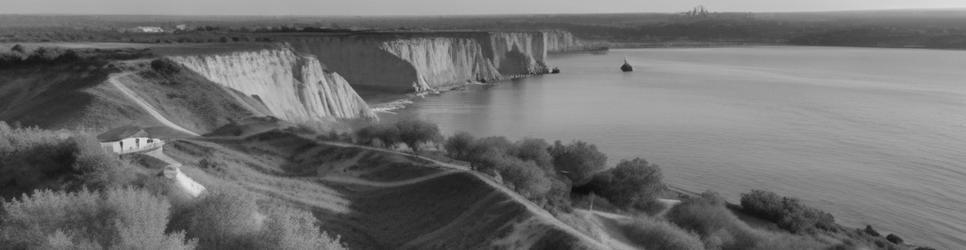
[(413, 133), (531, 165), (579, 160), (86, 198), (718, 228), (789, 213), (657, 234), (42, 55), (36, 159), (118, 218), (524, 166), (165, 66), (229, 218), (632, 184), (18, 56)]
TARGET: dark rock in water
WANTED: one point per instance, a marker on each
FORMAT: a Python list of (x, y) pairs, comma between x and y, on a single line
[(870, 231), (555, 70), (627, 66), (895, 239)]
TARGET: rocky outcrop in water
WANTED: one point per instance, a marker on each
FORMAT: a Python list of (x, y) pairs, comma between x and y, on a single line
[(292, 87), (407, 62)]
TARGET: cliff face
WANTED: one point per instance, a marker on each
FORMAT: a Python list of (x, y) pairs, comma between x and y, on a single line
[(292, 87), (562, 41), (423, 61)]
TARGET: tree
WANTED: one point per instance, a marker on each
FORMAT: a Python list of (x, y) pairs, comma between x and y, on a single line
[(578, 160), (526, 177), (119, 218), (165, 66), (287, 228), (386, 134), (632, 184), (414, 132), (459, 145), (530, 149), (224, 219)]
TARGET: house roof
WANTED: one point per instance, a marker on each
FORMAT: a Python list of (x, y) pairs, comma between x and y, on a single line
[(118, 133)]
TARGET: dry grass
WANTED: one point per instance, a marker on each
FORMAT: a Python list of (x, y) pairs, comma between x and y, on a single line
[(659, 234)]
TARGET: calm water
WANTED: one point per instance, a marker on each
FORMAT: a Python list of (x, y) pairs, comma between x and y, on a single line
[(875, 136)]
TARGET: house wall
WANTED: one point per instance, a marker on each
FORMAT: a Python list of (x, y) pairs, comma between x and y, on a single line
[(133, 144)]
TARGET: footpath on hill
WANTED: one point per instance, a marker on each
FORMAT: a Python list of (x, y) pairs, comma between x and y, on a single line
[(113, 79)]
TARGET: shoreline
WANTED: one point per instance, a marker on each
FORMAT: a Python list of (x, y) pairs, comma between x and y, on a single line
[(389, 103)]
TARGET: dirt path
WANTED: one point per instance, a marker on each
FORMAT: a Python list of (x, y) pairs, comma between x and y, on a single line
[(144, 105), (358, 181)]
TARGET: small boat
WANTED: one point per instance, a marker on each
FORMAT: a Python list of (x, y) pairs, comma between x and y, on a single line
[(627, 66)]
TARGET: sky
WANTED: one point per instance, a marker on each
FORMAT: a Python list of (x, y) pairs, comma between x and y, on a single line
[(444, 7)]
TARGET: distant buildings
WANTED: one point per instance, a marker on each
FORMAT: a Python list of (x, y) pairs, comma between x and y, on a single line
[(144, 29), (697, 11)]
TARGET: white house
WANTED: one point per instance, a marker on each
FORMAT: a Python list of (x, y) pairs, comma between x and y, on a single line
[(128, 139)]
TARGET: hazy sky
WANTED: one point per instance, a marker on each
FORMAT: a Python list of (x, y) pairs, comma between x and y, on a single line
[(442, 7)]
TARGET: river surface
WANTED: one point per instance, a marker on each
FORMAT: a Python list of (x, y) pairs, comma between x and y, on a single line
[(874, 136)]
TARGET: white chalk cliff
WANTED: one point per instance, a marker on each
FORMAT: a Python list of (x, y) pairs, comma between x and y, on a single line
[(563, 41), (292, 87), (406, 62)]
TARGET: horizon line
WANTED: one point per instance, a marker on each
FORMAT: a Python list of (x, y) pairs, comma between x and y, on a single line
[(485, 14)]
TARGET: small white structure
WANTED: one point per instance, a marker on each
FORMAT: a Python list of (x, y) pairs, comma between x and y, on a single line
[(185, 183), (128, 139), (149, 29)]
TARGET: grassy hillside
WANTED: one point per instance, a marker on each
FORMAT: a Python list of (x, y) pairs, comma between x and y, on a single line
[(65, 95), (80, 93), (373, 199)]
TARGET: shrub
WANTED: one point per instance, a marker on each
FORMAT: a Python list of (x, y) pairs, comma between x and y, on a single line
[(535, 150), (18, 49), (385, 134), (632, 184), (224, 219), (8, 59), (487, 152), (415, 132), (578, 160), (526, 178), (97, 168), (895, 239), (789, 213), (525, 166), (35, 158), (165, 66), (119, 218), (656, 234), (703, 215), (459, 145), (287, 228), (720, 229)]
